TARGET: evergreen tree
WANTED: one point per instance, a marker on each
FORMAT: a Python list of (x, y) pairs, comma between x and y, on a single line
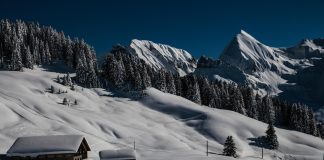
[(146, 79), (65, 101), (258, 102), (68, 80), (58, 79), (250, 103), (311, 123), (170, 83), (160, 83), (26, 44), (205, 91), (16, 60), (271, 137), (237, 102), (267, 111), (29, 59), (178, 85), (52, 89), (72, 88), (193, 92), (229, 147)]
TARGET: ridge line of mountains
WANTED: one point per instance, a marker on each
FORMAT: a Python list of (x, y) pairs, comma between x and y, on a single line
[(293, 73), (287, 73)]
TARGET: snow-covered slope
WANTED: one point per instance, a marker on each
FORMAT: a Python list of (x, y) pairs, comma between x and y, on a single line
[(163, 56), (164, 126)]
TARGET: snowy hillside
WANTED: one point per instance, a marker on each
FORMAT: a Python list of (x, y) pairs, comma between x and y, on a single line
[(163, 56), (164, 126)]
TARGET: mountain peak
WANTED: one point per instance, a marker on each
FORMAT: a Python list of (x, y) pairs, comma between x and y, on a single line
[(243, 35), (161, 56)]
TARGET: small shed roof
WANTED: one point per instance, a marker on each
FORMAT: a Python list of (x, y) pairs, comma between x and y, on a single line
[(122, 154), (41, 145)]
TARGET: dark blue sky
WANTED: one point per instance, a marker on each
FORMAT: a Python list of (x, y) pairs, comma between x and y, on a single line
[(200, 26)]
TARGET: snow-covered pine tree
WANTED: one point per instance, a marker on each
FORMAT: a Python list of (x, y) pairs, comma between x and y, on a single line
[(52, 89), (65, 101), (294, 118), (68, 79), (178, 84), (258, 102), (267, 111), (137, 79), (16, 60), (237, 102), (58, 79), (312, 123), (29, 59), (146, 79), (129, 71), (216, 101), (271, 137), (205, 91), (193, 92), (65, 82), (171, 88), (73, 87), (47, 58), (68, 52), (229, 147), (250, 102), (160, 83)]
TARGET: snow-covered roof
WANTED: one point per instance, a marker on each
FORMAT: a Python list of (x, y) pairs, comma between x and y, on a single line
[(122, 154), (41, 145)]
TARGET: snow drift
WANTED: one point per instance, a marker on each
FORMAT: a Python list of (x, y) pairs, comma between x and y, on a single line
[(163, 126)]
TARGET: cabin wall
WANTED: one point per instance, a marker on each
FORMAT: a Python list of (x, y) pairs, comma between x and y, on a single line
[(50, 157)]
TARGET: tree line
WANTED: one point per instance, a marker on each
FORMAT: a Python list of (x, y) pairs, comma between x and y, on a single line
[(128, 72), (24, 44)]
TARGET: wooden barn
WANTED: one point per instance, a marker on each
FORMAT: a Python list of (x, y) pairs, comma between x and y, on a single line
[(122, 154), (57, 147)]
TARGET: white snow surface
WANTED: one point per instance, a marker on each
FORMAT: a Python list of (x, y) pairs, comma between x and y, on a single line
[(117, 154), (161, 56), (163, 126), (41, 145)]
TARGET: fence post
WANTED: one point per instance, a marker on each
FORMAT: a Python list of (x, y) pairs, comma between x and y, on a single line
[(262, 152), (207, 147)]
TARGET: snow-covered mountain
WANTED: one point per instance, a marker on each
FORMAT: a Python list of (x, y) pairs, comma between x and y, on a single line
[(163, 56), (268, 70), (258, 65), (164, 126)]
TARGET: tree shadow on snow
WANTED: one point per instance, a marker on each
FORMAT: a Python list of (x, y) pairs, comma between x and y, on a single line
[(58, 67), (258, 141), (117, 93)]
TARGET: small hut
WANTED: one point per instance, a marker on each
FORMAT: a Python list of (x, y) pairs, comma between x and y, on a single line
[(58, 147), (123, 154)]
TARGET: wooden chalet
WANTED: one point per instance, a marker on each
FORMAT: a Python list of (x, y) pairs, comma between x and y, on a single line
[(57, 147)]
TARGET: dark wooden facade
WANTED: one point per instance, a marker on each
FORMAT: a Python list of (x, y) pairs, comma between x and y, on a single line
[(82, 153)]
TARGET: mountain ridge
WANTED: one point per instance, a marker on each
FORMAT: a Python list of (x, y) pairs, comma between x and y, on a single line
[(163, 56), (268, 70)]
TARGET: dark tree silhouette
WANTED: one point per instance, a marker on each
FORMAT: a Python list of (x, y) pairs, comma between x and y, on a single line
[(229, 147)]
